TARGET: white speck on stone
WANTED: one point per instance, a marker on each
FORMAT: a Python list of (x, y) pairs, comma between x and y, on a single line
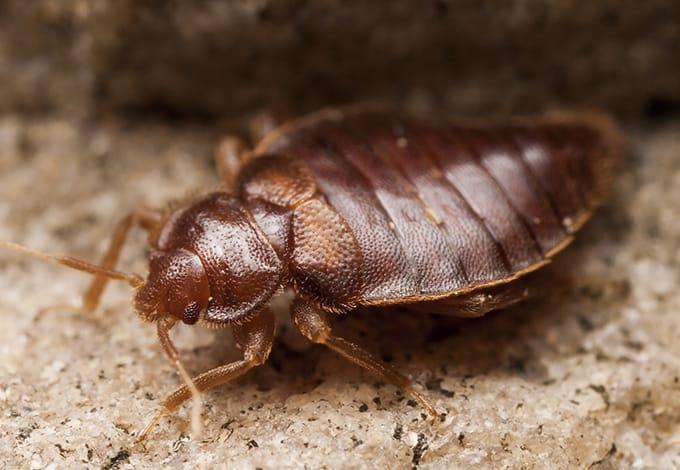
[(411, 439), (36, 462)]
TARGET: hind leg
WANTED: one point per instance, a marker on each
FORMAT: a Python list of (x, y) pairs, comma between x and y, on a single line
[(314, 325)]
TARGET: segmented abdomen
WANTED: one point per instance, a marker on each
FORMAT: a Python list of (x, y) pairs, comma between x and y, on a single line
[(439, 210)]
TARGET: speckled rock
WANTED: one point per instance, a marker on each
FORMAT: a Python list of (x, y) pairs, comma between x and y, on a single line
[(587, 376)]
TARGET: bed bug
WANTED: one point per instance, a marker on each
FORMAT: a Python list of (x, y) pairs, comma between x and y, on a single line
[(355, 208)]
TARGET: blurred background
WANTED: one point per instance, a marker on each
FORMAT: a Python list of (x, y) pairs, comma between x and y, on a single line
[(224, 58), (106, 105)]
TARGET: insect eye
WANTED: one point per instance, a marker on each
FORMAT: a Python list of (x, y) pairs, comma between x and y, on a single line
[(191, 313)]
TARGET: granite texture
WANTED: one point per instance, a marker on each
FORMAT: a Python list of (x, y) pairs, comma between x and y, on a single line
[(587, 376)]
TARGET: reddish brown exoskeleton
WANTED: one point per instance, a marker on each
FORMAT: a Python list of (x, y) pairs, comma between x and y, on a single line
[(356, 208)]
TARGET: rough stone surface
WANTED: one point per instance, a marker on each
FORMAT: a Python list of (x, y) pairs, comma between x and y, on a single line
[(588, 376), (221, 57)]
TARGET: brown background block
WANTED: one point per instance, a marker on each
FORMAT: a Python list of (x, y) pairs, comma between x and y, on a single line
[(226, 57)]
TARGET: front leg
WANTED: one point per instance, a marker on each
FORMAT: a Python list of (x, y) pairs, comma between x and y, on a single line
[(254, 338), (146, 218), (314, 325), (163, 327)]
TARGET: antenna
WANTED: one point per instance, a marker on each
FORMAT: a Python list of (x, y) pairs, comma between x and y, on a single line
[(74, 263)]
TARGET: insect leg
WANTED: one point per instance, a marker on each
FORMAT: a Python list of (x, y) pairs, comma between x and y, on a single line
[(230, 155), (260, 125), (314, 325), (163, 329), (254, 338), (232, 152), (148, 219)]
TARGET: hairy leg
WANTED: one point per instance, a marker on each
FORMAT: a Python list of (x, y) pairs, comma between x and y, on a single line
[(314, 325), (254, 338)]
